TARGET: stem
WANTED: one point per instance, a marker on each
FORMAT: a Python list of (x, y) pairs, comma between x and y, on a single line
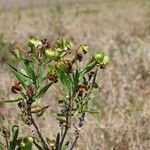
[(74, 143), (63, 137), (77, 131), (7, 142), (40, 135), (45, 145), (67, 126)]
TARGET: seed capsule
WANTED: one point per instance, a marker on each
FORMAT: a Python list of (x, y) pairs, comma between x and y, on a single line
[(99, 56), (53, 78), (16, 88), (79, 57), (52, 55)]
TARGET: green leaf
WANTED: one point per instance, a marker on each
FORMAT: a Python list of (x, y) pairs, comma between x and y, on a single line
[(83, 48), (11, 101), (65, 146), (88, 68), (30, 70), (13, 142), (65, 79), (75, 80), (57, 141), (33, 42), (39, 112), (63, 44), (22, 78), (44, 90), (27, 143)]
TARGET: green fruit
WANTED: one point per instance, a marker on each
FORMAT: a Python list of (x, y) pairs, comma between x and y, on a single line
[(22, 144), (30, 139), (105, 60), (33, 42), (52, 55), (99, 56), (83, 48)]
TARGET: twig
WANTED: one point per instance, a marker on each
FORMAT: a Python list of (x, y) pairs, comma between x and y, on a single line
[(45, 145), (77, 131), (67, 125)]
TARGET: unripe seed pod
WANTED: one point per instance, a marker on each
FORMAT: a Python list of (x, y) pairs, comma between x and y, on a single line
[(22, 144), (30, 139), (99, 56), (83, 48), (52, 55)]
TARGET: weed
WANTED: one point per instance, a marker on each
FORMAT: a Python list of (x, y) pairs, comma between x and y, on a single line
[(43, 65)]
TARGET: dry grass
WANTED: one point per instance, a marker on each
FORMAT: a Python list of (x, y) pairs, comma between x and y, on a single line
[(122, 28)]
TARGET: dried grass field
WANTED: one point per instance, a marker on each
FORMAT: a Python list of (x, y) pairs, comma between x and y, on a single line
[(122, 29)]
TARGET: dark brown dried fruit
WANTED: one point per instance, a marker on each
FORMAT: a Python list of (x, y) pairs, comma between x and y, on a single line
[(79, 57), (90, 75), (16, 88), (69, 66), (81, 89), (53, 78), (102, 66), (44, 41)]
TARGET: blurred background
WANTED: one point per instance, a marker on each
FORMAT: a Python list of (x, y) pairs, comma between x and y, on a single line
[(122, 29)]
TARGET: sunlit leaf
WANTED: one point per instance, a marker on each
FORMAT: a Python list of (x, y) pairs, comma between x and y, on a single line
[(11, 101), (39, 112), (44, 90), (22, 78)]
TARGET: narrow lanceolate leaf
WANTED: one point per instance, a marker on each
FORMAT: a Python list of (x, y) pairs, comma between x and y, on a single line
[(65, 79), (22, 78), (40, 111), (11, 101), (15, 132), (44, 90), (57, 141), (76, 80), (65, 146), (30, 70), (88, 68)]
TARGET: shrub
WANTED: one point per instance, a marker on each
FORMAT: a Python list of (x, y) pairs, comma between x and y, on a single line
[(42, 66)]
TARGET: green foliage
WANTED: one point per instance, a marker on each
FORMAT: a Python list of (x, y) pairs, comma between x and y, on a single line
[(55, 64), (13, 142)]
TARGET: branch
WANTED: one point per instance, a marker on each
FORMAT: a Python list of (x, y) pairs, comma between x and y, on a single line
[(45, 145), (67, 125), (77, 131)]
